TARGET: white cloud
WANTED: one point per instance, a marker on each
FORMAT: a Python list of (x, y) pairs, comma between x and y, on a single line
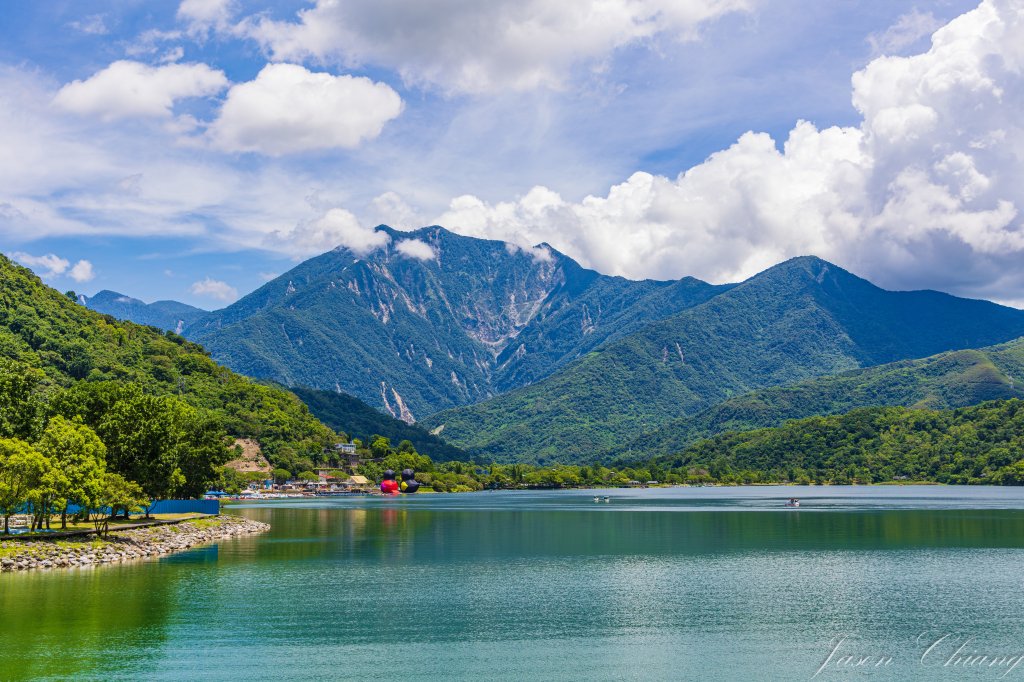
[(392, 210), (290, 109), (81, 271), (201, 15), (906, 32), (925, 191), (222, 291), (128, 89), (93, 24), (337, 228), (416, 248), (479, 46), (48, 266)]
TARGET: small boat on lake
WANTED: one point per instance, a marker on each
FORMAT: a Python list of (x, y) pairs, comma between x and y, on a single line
[(793, 502)]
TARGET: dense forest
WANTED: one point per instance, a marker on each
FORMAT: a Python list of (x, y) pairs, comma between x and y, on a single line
[(65, 343), (983, 444)]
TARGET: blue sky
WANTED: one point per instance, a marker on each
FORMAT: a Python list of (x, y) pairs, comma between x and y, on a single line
[(191, 151)]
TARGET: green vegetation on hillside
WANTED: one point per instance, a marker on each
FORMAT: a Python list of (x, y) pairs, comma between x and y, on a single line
[(802, 319), (948, 380), (350, 415), (62, 343), (983, 444)]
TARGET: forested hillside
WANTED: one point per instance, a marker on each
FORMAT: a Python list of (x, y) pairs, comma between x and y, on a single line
[(358, 420), (983, 444), (948, 380), (45, 332)]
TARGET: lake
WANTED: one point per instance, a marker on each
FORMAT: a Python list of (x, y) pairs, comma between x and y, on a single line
[(680, 583)]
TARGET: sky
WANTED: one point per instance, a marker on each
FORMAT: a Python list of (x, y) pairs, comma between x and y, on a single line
[(194, 150)]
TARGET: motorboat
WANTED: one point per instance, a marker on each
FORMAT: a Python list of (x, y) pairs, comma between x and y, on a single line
[(793, 502)]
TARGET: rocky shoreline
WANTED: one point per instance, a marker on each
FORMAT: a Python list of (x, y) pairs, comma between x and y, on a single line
[(124, 545)]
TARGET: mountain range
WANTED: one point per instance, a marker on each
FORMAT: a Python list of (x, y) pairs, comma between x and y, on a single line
[(525, 355), (801, 319), (167, 315), (413, 335)]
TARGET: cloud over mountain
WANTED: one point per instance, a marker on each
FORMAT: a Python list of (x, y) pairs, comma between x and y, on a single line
[(924, 191)]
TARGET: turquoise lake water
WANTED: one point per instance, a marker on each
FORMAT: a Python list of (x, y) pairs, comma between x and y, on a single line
[(662, 584)]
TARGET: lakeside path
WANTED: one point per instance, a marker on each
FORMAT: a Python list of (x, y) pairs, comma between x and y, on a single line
[(122, 545)]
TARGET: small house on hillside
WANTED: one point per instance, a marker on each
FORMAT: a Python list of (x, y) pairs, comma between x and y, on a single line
[(345, 454)]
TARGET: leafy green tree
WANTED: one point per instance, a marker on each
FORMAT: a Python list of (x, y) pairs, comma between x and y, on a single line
[(20, 409), (380, 446), (281, 475), (22, 468), (116, 495), (308, 476), (77, 455)]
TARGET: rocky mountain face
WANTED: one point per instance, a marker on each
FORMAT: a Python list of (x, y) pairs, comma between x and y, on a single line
[(167, 315), (432, 320), (801, 319)]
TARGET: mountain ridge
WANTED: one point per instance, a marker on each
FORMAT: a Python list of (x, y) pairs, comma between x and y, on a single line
[(797, 320), (168, 315)]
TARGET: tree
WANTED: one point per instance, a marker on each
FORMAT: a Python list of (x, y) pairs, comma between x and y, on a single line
[(281, 475), (77, 455), (20, 410), (308, 476), (116, 494), (380, 446), (22, 468)]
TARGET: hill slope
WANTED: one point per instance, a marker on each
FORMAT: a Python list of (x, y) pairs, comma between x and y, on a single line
[(41, 328), (948, 380), (977, 445), (800, 319), (167, 315), (413, 335), (351, 415)]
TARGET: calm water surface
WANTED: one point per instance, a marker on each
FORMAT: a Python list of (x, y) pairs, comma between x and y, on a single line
[(685, 583)]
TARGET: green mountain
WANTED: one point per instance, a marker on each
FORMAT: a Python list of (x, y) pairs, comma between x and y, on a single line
[(977, 445), (351, 415), (948, 380), (801, 319), (167, 315), (412, 335), (44, 331)]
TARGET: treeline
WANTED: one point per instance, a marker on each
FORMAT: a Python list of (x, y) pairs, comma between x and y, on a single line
[(983, 444), (457, 476), (99, 447)]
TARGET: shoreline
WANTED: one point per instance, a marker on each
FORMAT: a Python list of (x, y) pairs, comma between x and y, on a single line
[(128, 545)]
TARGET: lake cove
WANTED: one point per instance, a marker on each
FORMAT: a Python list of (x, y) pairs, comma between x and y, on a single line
[(682, 583)]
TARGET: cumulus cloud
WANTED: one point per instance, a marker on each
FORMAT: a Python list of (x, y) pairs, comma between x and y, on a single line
[(416, 248), (202, 15), (337, 228), (925, 191), (48, 265), (479, 46), (290, 109), (81, 271), (128, 89), (214, 288)]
